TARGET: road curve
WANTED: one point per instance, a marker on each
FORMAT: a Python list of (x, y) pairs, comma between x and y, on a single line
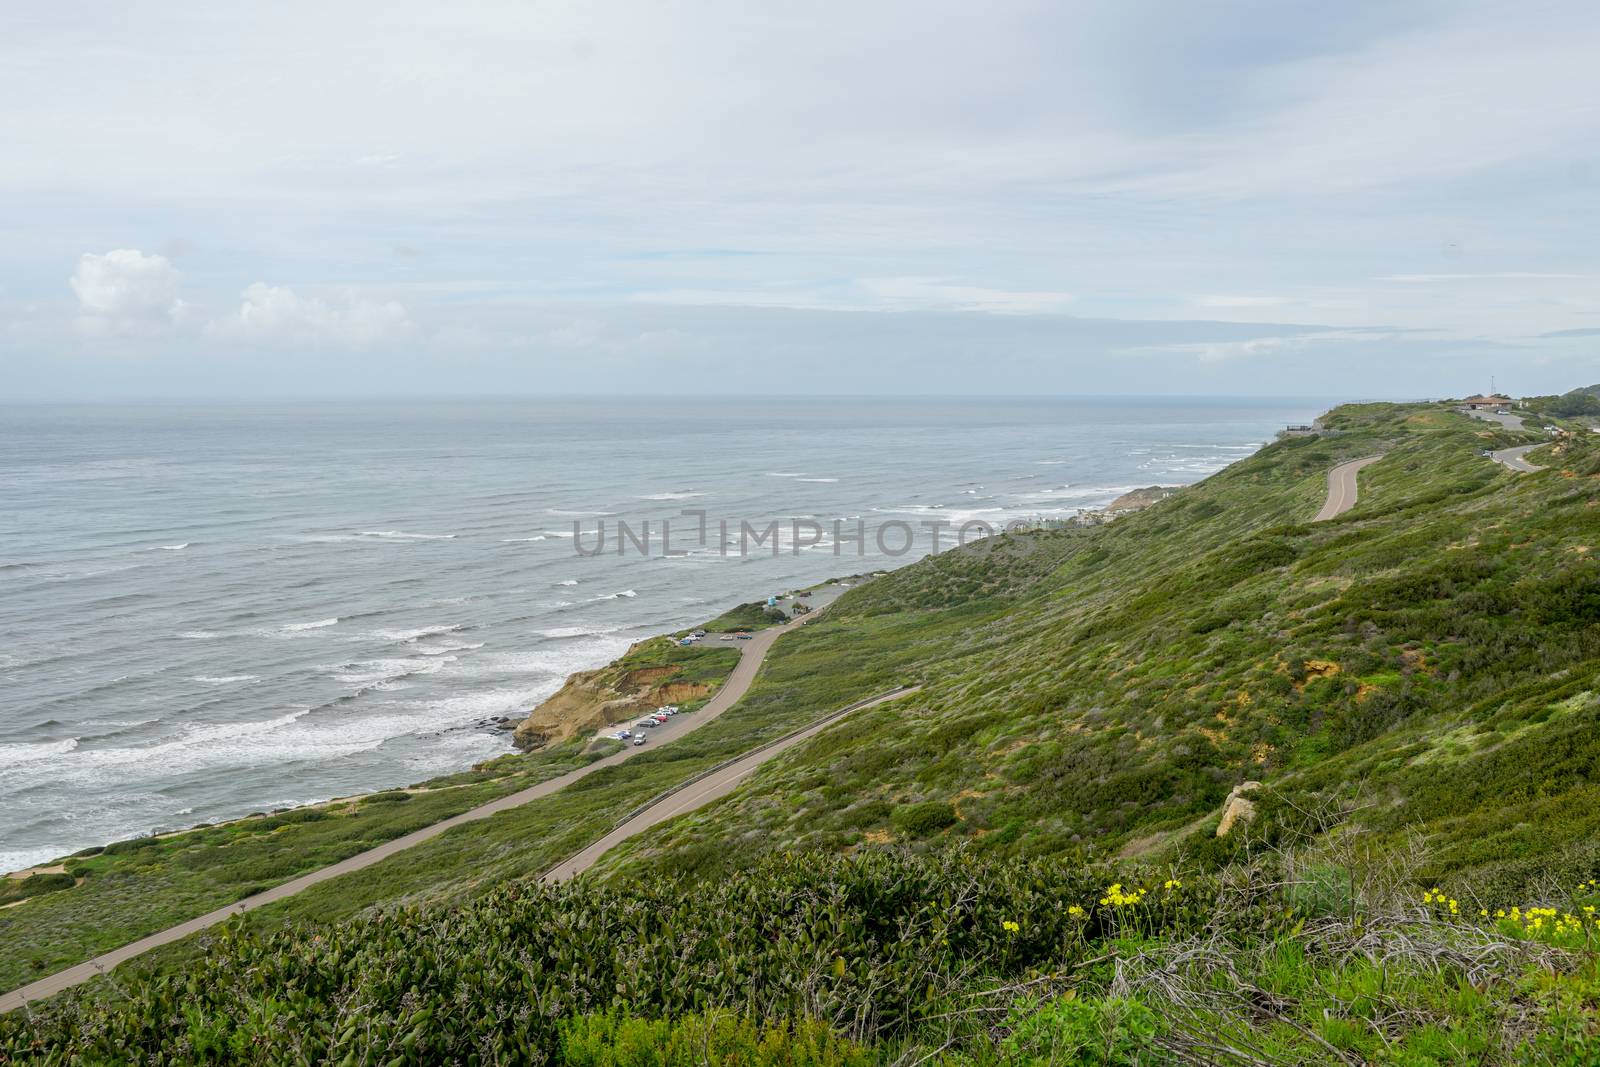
[(699, 792), (1512, 457), (1342, 488), (752, 652)]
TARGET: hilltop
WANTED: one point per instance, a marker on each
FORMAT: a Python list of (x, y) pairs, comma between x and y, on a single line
[(1030, 844)]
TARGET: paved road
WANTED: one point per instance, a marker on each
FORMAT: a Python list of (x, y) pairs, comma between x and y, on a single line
[(1509, 421), (1509, 457), (752, 652), (1512, 457), (1342, 488), (702, 791)]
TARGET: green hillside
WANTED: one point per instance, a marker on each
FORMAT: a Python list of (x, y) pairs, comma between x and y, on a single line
[(1020, 863), (1425, 664)]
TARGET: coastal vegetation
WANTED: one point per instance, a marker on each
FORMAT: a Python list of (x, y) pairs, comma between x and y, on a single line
[(1398, 709), (882, 957)]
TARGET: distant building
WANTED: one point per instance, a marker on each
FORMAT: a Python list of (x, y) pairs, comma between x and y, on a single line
[(1493, 400)]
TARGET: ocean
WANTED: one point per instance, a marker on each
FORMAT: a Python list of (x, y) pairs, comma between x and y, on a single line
[(207, 611)]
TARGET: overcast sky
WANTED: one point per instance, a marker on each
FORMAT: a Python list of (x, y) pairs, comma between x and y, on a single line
[(1376, 199)]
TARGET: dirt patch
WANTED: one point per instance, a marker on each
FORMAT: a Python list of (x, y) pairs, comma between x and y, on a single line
[(1314, 669), (59, 868)]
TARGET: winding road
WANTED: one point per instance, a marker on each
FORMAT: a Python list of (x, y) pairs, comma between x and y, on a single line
[(1342, 488), (1509, 457), (713, 785), (1512, 457), (752, 653)]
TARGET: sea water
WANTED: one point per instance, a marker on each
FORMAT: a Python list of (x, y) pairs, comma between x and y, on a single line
[(207, 611)]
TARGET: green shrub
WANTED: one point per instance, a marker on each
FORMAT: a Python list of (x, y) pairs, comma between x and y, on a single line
[(928, 817), (1092, 1032), (14, 889), (696, 1040)]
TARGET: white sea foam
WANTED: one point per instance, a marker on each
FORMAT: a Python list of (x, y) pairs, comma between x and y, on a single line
[(786, 474), (816, 479), (403, 535), (299, 627), (576, 514), (687, 494), (578, 631), (521, 540), (612, 596), (568, 581), (417, 634), (29, 751), (225, 679), (199, 635), (176, 548)]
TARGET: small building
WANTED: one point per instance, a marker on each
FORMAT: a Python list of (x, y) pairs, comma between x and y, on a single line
[(1490, 402)]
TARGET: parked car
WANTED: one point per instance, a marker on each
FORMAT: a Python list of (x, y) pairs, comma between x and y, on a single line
[(742, 637), (637, 741), (646, 724), (660, 718), (698, 633), (727, 637)]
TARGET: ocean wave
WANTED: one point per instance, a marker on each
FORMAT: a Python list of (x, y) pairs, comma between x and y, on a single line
[(226, 679), (407, 636), (29, 751), (786, 474), (402, 535), (687, 494), (612, 596), (578, 631), (434, 650), (568, 581), (199, 635), (576, 514), (558, 533), (300, 627), (816, 479), (521, 540), (175, 548)]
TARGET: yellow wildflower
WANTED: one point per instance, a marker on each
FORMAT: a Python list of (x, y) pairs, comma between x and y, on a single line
[(1075, 911), (1010, 927)]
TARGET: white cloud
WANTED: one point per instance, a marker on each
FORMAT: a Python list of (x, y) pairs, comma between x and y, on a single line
[(1504, 275), (125, 291), (278, 313), (1262, 347), (902, 294), (872, 294), (1224, 301)]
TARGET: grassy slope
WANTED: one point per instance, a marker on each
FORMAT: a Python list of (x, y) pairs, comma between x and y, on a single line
[(1429, 661), (1431, 658), (136, 887)]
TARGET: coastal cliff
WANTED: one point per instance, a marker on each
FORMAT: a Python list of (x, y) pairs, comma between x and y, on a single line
[(593, 700)]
